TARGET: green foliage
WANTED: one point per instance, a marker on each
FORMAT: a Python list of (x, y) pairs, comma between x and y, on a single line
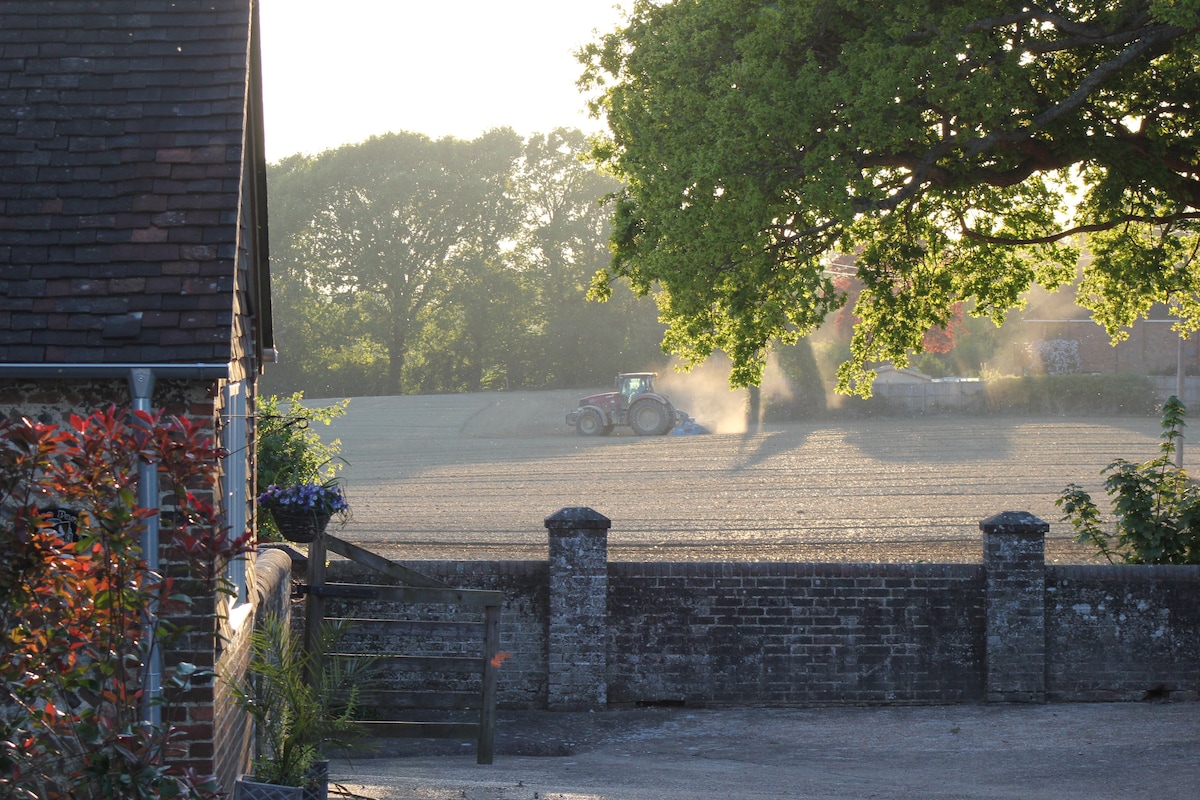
[(301, 701), (377, 232), (944, 146), (1070, 394), (978, 344), (1156, 504), (830, 353), (930, 364), (290, 452), (81, 615)]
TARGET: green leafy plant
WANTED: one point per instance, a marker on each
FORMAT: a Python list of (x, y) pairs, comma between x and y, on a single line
[(301, 701), (82, 612), (1156, 504), (290, 452)]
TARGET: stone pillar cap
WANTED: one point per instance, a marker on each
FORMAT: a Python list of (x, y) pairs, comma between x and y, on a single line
[(1014, 522), (578, 517)]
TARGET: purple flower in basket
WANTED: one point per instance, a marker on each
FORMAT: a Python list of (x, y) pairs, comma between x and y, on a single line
[(317, 498)]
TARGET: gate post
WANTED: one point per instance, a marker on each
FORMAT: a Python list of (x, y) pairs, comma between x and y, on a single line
[(577, 644), (314, 609), (1014, 560)]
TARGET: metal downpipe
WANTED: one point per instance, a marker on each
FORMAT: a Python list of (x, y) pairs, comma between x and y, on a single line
[(141, 387)]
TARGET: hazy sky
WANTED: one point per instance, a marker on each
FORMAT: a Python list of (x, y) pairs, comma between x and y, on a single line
[(339, 71)]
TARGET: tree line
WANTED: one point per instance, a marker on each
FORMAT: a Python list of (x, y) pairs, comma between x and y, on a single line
[(405, 264)]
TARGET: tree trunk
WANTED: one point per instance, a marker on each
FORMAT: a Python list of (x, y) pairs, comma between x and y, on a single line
[(396, 354)]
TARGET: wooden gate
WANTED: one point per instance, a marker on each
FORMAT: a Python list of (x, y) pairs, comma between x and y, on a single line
[(470, 653)]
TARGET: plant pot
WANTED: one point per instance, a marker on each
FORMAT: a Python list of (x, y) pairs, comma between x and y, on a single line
[(300, 526), (249, 789), (318, 777)]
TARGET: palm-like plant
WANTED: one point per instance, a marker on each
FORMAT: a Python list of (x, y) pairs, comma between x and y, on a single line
[(300, 701)]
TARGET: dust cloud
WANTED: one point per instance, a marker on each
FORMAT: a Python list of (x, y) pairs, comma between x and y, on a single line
[(705, 395)]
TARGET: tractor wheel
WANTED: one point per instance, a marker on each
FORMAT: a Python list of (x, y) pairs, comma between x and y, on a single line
[(591, 423), (650, 418)]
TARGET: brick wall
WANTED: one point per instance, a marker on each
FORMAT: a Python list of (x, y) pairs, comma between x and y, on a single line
[(191, 711), (780, 634), (233, 733), (1151, 348), (709, 634), (577, 645), (1014, 557)]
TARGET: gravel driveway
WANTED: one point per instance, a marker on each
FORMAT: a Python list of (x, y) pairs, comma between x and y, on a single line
[(1113, 751)]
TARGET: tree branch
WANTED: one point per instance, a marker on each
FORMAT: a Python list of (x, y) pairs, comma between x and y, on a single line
[(925, 169), (1094, 227)]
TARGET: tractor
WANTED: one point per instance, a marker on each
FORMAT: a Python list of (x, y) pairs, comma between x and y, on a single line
[(634, 403)]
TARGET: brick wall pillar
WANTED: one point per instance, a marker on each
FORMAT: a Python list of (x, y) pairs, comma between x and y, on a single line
[(1014, 559), (577, 642)]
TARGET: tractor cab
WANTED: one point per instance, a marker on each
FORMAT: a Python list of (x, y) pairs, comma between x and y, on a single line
[(631, 384)]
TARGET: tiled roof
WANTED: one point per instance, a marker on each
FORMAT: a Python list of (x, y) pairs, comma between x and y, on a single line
[(121, 153)]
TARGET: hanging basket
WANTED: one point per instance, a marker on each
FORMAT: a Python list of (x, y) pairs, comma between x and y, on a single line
[(300, 526)]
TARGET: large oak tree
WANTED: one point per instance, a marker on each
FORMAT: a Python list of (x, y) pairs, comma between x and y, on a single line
[(960, 150), (385, 227)]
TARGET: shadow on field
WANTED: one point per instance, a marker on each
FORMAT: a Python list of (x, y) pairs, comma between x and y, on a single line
[(760, 446), (958, 439)]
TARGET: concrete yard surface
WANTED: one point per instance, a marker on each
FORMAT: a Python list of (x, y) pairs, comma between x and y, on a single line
[(1114, 751)]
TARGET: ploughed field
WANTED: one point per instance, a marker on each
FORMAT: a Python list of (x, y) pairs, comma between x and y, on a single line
[(474, 477)]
